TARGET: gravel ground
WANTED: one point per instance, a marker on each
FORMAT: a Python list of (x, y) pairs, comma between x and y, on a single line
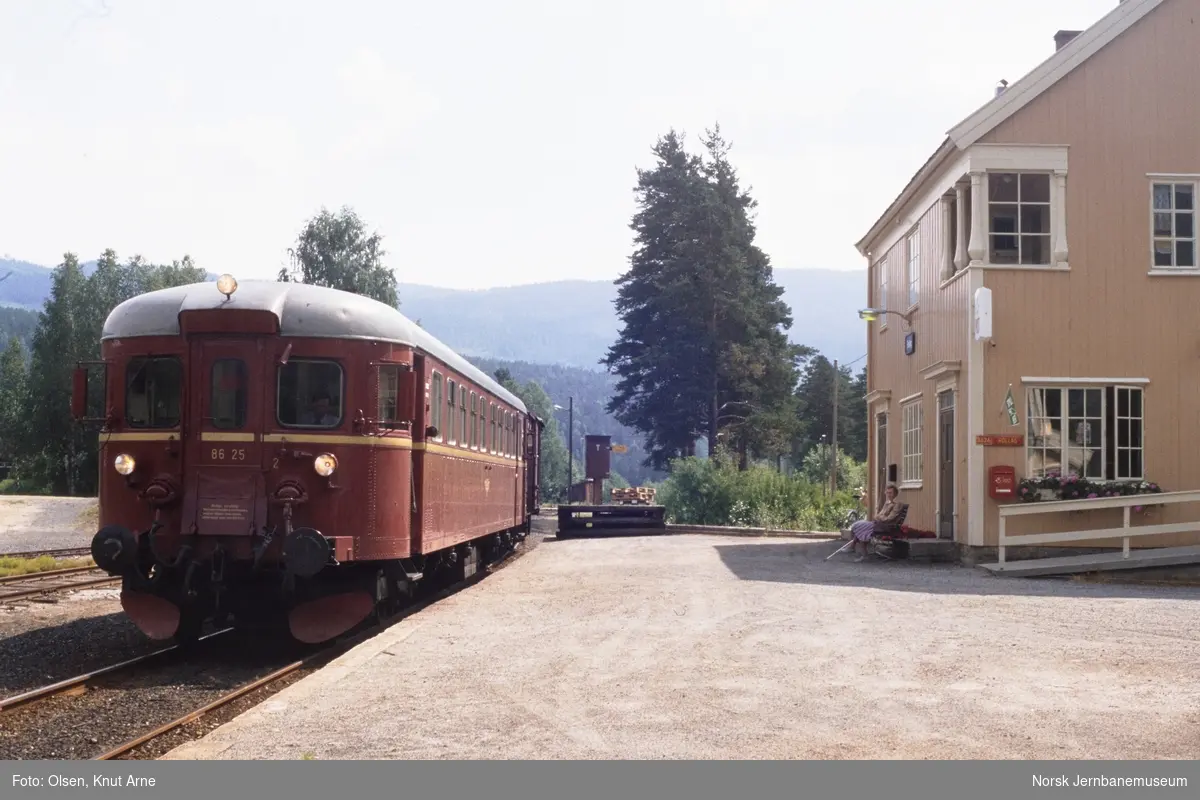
[(30, 522), (706, 647)]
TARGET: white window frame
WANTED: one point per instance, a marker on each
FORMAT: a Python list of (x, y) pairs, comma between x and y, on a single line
[(1018, 234), (912, 269), (1192, 181), (912, 435), (1106, 414)]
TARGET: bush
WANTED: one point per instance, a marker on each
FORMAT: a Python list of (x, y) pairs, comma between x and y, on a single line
[(704, 492)]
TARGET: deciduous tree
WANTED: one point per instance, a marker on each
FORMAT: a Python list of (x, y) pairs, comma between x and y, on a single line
[(335, 250)]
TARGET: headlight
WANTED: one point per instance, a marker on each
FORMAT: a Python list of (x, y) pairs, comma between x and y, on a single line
[(124, 464), (325, 464)]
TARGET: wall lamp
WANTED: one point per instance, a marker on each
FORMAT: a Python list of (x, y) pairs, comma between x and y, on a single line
[(872, 314)]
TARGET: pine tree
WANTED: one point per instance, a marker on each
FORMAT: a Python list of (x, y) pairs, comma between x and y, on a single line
[(13, 401), (703, 349), (335, 250), (63, 338)]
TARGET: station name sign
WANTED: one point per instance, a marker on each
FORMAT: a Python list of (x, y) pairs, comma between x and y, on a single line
[(1000, 440)]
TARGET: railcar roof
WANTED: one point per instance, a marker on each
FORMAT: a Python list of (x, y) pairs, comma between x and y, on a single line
[(302, 310)]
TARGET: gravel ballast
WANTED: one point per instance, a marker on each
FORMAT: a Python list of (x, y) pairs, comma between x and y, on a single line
[(709, 647)]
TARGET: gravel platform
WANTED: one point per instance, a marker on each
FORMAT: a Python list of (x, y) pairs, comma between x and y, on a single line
[(28, 522), (686, 647)]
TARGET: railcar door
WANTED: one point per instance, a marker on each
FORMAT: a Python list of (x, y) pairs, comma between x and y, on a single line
[(225, 495)]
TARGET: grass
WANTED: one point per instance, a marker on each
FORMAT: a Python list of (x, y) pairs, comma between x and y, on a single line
[(32, 566)]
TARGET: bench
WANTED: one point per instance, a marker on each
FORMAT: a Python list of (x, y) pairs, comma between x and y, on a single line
[(883, 541)]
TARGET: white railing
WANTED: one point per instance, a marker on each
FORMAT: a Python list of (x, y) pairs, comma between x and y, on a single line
[(1125, 532)]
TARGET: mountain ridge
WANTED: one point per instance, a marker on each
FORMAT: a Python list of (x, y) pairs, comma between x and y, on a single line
[(571, 322)]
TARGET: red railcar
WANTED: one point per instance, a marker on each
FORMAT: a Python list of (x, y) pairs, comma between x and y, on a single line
[(277, 450)]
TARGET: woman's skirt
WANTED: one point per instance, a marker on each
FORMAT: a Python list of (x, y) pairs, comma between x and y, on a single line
[(862, 530)]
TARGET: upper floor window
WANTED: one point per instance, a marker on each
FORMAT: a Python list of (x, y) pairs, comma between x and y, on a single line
[(1173, 224), (153, 388), (227, 393), (1019, 218), (309, 394), (1094, 432), (914, 268)]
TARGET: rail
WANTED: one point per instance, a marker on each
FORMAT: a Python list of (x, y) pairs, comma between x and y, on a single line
[(1125, 532)]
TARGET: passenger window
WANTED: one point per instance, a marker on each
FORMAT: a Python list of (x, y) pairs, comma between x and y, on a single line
[(153, 387), (474, 421), (492, 427), (451, 393), (463, 433), (227, 396), (435, 405), (389, 393), (309, 394)]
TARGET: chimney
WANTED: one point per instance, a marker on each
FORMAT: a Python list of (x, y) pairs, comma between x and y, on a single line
[(1063, 38), (1000, 87)]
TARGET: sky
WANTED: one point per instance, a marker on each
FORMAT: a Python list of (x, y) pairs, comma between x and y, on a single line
[(489, 143)]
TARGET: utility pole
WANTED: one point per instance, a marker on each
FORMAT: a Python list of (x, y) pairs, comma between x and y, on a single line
[(833, 456), (570, 447)]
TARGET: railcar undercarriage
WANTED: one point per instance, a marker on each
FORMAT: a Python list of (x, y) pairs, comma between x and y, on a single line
[(305, 590)]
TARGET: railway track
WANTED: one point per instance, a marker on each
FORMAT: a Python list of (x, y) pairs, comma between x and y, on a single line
[(19, 587), (63, 552), (124, 695)]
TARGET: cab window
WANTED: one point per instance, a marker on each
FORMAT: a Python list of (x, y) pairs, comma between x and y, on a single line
[(153, 387), (389, 393), (227, 395), (309, 394)]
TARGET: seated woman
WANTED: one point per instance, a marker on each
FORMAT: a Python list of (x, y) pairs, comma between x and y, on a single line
[(863, 530)]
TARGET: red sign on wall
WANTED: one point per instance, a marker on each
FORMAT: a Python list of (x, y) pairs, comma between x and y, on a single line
[(1000, 440)]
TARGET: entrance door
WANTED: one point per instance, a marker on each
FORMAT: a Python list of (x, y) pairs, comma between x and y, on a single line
[(881, 457), (227, 496), (946, 465)]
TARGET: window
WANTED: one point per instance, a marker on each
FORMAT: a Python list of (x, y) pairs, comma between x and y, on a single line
[(474, 421), (504, 424), (914, 268), (309, 394), (1019, 218), (483, 423), (227, 393), (389, 393), (910, 470), (1173, 223), (492, 434), (464, 433), (153, 387), (451, 392), (435, 405), (1094, 432)]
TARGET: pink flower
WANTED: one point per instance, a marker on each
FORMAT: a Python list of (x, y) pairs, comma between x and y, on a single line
[(1093, 494), (1138, 508)]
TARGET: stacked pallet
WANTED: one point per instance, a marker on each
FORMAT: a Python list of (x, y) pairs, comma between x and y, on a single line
[(634, 495)]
